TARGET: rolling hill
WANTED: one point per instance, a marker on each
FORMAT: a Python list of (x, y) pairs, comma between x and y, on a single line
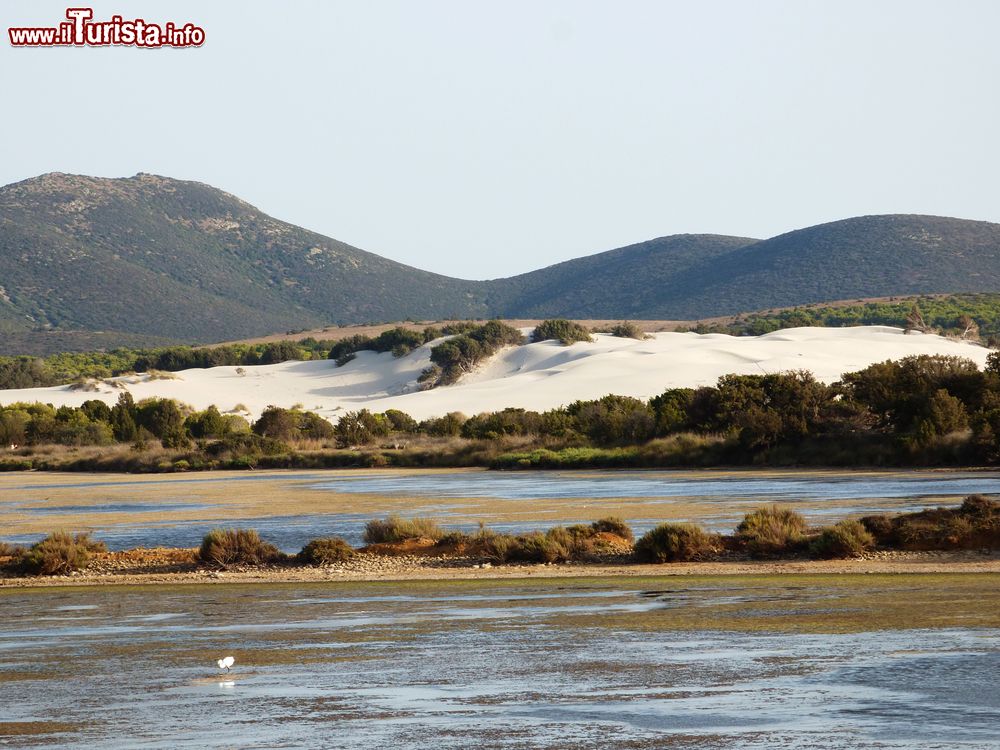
[(699, 276), (166, 258), (87, 262)]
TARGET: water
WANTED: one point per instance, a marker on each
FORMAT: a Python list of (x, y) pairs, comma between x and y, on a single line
[(716, 500), (667, 485), (497, 664)]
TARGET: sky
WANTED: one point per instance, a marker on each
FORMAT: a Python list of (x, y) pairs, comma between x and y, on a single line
[(483, 139)]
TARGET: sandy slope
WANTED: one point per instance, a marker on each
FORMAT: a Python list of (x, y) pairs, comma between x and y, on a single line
[(534, 376)]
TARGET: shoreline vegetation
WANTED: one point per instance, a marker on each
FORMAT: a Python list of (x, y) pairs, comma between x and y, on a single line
[(922, 410), (770, 538)]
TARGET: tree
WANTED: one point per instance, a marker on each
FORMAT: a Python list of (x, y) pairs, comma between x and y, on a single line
[(207, 424), (360, 428), (969, 328), (765, 410), (671, 409), (449, 425), (898, 392), (401, 421), (96, 410), (614, 420), (915, 321), (13, 426), (123, 419), (277, 423), (313, 427), (164, 419)]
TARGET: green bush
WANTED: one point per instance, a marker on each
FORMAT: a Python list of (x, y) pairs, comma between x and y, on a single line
[(395, 529), (613, 525), (59, 553), (974, 525), (628, 330), (224, 547), (552, 546), (845, 539), (326, 551), (771, 531), (460, 354), (565, 331), (676, 542)]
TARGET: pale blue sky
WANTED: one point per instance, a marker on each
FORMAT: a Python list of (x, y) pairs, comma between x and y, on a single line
[(482, 139)]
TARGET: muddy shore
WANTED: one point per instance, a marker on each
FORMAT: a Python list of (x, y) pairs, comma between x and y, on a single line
[(174, 567)]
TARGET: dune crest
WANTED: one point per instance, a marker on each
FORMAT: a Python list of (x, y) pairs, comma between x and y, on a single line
[(534, 376)]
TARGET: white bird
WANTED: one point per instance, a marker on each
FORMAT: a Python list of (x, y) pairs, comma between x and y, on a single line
[(226, 662)]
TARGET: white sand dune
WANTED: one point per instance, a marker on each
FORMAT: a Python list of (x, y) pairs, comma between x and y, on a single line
[(535, 376)]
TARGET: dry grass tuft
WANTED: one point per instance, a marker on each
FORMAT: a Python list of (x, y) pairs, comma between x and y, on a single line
[(225, 547), (772, 531), (677, 542)]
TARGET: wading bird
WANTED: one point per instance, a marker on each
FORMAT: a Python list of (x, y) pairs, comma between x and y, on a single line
[(226, 662)]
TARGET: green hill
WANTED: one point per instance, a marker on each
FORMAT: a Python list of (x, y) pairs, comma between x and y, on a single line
[(182, 260), (869, 256), (697, 276), (636, 282), (90, 262)]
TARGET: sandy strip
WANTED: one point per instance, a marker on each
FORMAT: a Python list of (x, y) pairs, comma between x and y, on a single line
[(901, 563)]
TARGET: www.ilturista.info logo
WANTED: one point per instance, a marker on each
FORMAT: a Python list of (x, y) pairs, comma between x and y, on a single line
[(81, 31)]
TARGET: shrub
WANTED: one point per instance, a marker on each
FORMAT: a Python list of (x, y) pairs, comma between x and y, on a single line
[(460, 354), (224, 547), (979, 506), (613, 525), (450, 425), (565, 331), (880, 527), (60, 553), (400, 421), (325, 551), (343, 351), (676, 542), (491, 544), (614, 420), (395, 529), (975, 524), (771, 530), (845, 539), (361, 427), (454, 539), (628, 330), (11, 550), (552, 546)]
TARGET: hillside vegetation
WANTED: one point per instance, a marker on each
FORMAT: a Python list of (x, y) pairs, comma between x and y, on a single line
[(89, 262), (181, 260)]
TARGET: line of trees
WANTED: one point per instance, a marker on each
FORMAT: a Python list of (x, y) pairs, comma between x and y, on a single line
[(936, 409), (924, 407), (59, 369), (968, 316)]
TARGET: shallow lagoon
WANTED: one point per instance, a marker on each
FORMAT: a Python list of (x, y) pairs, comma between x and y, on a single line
[(289, 508), (713, 662)]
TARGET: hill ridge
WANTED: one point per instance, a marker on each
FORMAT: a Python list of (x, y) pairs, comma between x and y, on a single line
[(180, 260)]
